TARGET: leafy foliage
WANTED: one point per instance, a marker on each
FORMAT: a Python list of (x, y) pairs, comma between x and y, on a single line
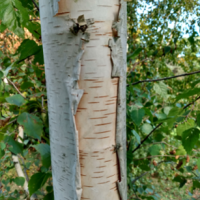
[(164, 166)]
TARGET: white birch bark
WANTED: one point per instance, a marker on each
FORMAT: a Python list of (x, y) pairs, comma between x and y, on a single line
[(86, 88)]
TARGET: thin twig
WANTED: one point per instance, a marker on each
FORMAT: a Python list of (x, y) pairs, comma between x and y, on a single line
[(12, 121), (159, 143), (163, 79), (146, 137), (191, 103), (160, 125), (149, 157), (15, 87), (143, 174), (36, 5)]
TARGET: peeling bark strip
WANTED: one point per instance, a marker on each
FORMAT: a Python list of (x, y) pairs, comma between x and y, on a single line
[(83, 97), (118, 48)]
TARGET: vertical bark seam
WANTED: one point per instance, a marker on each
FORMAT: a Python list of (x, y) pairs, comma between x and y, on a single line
[(119, 64)]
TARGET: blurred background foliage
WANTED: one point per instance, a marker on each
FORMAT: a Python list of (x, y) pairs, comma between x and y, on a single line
[(163, 113)]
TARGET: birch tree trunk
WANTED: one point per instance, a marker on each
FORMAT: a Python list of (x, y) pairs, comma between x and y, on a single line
[(84, 44)]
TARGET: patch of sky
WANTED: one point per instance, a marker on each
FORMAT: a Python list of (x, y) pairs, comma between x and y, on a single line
[(188, 23)]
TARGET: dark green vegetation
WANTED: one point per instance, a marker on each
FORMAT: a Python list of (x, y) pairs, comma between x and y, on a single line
[(163, 116)]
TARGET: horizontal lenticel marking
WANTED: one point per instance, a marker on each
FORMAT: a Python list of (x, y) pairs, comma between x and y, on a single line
[(87, 186), (113, 188), (96, 87), (90, 79), (104, 137), (102, 132), (110, 113), (101, 167), (62, 13), (101, 96), (99, 118), (103, 124), (111, 176), (104, 182)]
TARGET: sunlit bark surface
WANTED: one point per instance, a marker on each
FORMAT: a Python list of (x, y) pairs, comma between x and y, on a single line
[(84, 162)]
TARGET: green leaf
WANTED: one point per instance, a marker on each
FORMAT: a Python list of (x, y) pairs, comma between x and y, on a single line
[(137, 116), (193, 84), (134, 54), (37, 181), (2, 28), (167, 49), (27, 49), (154, 150), (161, 89), (143, 164), (26, 85), (44, 150), (188, 93), (198, 163), (17, 100), (33, 126), (198, 119), (196, 184), (12, 14), (39, 56), (15, 147), (2, 146), (146, 128), (49, 189), (181, 151), (2, 153), (49, 196), (1, 74), (183, 127), (189, 138), (161, 116), (180, 179), (129, 157), (28, 4), (19, 181), (136, 136), (1, 136)]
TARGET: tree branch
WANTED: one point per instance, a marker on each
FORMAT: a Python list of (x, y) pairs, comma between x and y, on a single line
[(15, 87), (36, 5), (191, 103), (171, 156), (146, 137), (163, 79)]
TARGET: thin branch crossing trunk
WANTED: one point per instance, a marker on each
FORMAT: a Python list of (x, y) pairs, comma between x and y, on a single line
[(84, 45)]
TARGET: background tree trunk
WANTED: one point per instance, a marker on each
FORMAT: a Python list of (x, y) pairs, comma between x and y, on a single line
[(86, 85)]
